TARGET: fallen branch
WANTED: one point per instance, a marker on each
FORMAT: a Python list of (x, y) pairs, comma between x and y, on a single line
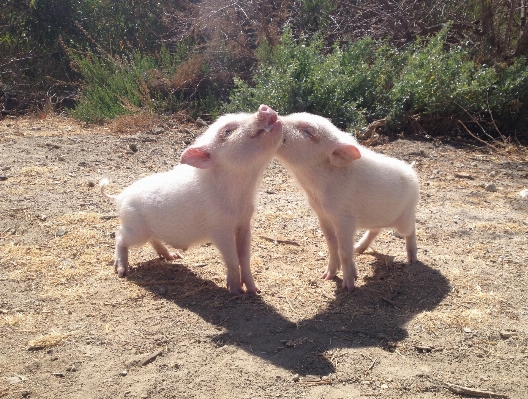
[(276, 241), (473, 392), (367, 136)]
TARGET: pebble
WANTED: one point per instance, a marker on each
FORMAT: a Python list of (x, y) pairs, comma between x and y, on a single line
[(3, 178), (201, 122), (60, 232), (490, 187), (133, 147), (524, 194), (296, 378), (123, 373), (71, 368), (91, 184), (493, 173), (162, 290)]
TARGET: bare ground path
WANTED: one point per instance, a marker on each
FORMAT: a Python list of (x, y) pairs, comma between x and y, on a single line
[(69, 328)]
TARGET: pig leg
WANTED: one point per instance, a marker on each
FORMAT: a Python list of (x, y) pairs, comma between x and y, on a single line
[(410, 246), (121, 256), (243, 245), (163, 251), (331, 241), (366, 240), (226, 244), (345, 232), (406, 226)]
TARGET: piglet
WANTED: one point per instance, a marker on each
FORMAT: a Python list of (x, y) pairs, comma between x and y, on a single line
[(349, 187), (208, 197)]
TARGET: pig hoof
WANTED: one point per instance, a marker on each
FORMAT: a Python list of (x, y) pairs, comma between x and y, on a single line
[(253, 291), (236, 291), (349, 287), (328, 275), (121, 271)]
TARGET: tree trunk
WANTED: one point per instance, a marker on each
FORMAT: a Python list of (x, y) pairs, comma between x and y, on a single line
[(522, 45), (487, 23)]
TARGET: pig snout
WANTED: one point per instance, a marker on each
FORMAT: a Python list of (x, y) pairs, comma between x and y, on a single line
[(267, 115)]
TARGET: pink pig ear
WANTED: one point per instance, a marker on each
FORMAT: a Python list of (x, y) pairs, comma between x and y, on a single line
[(344, 154), (198, 157)]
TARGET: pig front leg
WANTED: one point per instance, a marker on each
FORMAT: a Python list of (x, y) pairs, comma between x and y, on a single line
[(226, 244), (333, 256), (345, 229), (243, 245)]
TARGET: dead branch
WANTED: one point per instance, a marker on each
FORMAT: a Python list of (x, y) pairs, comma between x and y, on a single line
[(473, 391), (367, 135)]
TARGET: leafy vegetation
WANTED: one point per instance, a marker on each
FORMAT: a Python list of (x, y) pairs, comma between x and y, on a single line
[(354, 62)]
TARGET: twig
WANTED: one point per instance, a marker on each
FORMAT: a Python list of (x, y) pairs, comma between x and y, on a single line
[(373, 364), (478, 138), (370, 130), (389, 302), (473, 392), (289, 242), (462, 176)]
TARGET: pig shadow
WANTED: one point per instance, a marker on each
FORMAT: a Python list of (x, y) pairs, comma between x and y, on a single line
[(374, 315)]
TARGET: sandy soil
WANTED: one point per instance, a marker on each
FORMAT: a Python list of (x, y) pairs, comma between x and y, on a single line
[(69, 328)]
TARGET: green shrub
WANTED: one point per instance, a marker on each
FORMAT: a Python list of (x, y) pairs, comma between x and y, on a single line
[(116, 86), (508, 98), (436, 81)]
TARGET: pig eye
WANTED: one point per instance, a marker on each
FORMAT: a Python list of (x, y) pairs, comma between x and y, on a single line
[(228, 131), (308, 134)]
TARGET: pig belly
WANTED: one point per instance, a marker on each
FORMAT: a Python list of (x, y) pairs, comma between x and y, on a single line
[(377, 214)]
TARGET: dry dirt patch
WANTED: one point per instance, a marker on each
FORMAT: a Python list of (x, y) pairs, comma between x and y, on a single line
[(70, 328)]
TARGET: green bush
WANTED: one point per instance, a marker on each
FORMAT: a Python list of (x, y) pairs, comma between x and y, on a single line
[(428, 80), (437, 81)]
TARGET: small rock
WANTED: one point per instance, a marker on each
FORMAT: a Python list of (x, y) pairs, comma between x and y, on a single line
[(467, 330), (58, 374), (60, 232), (43, 217), (16, 379), (157, 130), (201, 122), (25, 394), (3, 178), (296, 378), (384, 386), (490, 187), (123, 373), (71, 368), (91, 184), (505, 334), (133, 147), (524, 194), (162, 290), (493, 173)]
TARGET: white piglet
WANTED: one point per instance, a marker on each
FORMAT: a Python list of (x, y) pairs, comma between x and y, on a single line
[(349, 187), (209, 197)]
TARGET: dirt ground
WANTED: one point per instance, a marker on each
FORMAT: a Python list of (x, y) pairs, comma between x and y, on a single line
[(69, 328)]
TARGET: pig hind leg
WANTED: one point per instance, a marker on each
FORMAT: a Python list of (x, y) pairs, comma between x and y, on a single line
[(126, 238), (163, 251), (406, 227), (366, 240)]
